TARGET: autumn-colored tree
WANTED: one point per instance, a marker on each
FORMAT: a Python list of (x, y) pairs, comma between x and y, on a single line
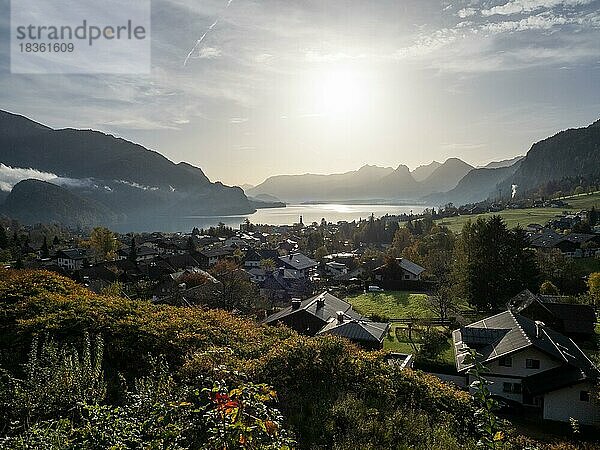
[(237, 291), (104, 243), (594, 286)]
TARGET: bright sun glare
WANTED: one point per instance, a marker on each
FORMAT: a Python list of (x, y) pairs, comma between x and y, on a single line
[(339, 92)]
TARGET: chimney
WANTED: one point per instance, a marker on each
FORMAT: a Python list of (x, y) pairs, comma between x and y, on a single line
[(296, 303), (340, 316), (538, 328), (321, 302)]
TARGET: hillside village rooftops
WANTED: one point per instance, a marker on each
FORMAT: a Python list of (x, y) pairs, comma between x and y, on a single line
[(324, 306), (298, 261), (356, 329), (507, 332), (72, 253)]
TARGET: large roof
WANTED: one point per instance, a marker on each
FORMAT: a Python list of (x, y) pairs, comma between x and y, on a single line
[(298, 261), (507, 332), (356, 329), (411, 267), (324, 310)]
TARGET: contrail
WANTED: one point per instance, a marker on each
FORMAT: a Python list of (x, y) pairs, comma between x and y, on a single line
[(208, 30)]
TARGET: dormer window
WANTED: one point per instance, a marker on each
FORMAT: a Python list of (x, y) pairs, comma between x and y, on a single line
[(505, 361), (532, 363)]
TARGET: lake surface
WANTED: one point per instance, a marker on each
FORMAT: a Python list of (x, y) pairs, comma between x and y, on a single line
[(331, 212)]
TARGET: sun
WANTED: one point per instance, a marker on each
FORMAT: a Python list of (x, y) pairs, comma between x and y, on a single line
[(339, 92)]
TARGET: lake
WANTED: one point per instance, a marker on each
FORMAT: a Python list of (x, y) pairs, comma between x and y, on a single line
[(332, 212)]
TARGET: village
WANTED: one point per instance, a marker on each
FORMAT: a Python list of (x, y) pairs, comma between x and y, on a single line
[(537, 347)]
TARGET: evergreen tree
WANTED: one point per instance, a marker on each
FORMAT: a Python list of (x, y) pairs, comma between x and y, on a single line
[(55, 241), (493, 263), (44, 250), (132, 251), (3, 238)]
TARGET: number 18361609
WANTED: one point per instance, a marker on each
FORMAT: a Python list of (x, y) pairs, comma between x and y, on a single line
[(43, 47)]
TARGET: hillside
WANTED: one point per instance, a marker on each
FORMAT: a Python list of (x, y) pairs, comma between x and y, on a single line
[(128, 179), (313, 187), (367, 183), (158, 359), (424, 171), (570, 153), (446, 176), (477, 185), (33, 201)]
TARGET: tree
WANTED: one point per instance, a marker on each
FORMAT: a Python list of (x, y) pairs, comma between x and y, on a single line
[(132, 251), (55, 241), (441, 302), (321, 252), (402, 239), (44, 250), (237, 291), (493, 263), (3, 238), (104, 243), (548, 288), (594, 286), (191, 247)]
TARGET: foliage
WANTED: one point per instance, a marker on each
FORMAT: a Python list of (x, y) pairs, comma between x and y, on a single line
[(492, 433), (594, 286), (493, 263), (104, 243), (242, 418), (319, 381), (433, 343), (237, 292), (55, 380), (548, 288)]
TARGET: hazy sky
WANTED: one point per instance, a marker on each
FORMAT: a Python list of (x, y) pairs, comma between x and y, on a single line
[(330, 85)]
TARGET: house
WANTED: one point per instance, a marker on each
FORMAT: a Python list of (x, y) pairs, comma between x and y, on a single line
[(71, 259), (253, 257), (409, 271), (299, 263), (327, 314), (257, 274), (142, 253), (367, 334), (281, 285), (335, 269), (573, 320), (209, 257), (531, 364)]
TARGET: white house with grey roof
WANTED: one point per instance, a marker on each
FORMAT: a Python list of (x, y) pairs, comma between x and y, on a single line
[(532, 365)]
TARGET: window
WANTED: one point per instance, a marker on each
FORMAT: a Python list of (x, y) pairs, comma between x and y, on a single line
[(532, 363), (511, 388), (505, 361), (584, 396), (406, 277)]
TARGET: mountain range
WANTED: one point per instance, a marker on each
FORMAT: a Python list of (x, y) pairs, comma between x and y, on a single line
[(85, 177), (103, 178), (570, 153), (366, 183)]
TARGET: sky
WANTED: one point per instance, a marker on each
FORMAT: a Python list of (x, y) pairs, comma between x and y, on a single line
[(289, 87)]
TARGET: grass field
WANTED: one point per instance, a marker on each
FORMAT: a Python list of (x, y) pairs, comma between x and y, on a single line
[(512, 217), (392, 304), (523, 217), (584, 201)]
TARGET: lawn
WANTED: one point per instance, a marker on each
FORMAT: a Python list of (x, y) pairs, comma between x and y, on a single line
[(585, 266), (392, 304), (524, 217), (512, 217), (584, 201)]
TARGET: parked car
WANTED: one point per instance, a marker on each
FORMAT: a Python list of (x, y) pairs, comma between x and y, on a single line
[(375, 289)]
